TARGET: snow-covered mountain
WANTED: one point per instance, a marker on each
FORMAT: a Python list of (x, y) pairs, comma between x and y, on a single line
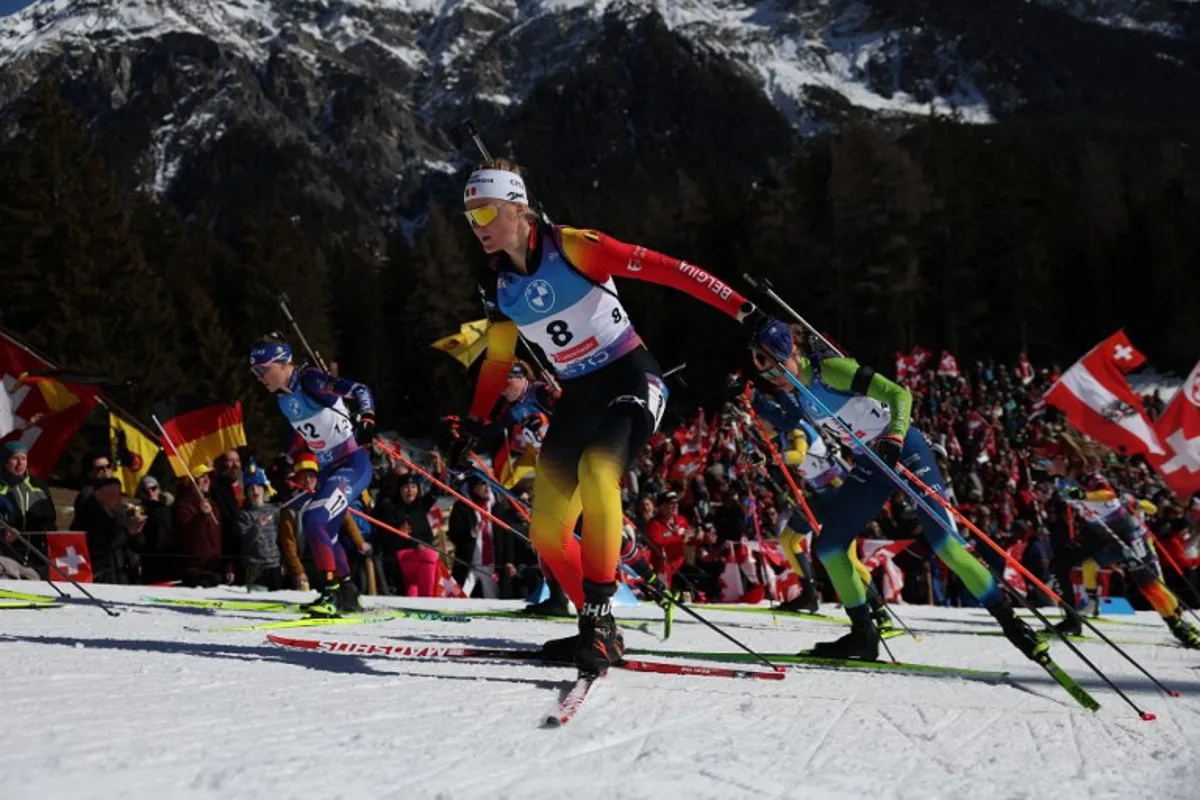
[(352, 95)]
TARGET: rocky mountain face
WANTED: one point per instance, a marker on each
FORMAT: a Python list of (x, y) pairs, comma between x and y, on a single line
[(339, 110)]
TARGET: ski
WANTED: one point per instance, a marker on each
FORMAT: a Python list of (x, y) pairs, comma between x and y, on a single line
[(741, 609), (15, 604), (1051, 636), (829, 663), (426, 652), (313, 622), (297, 608), (1101, 620), (1064, 680), (28, 598), (571, 702)]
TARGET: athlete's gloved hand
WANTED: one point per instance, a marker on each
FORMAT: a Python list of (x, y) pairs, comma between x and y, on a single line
[(1073, 492), (888, 448), (769, 334), (364, 428), (470, 431)]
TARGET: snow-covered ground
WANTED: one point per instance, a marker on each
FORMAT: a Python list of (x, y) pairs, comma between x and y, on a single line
[(154, 704)]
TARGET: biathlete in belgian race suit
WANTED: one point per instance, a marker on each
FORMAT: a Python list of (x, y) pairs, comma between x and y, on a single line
[(554, 286), (315, 404)]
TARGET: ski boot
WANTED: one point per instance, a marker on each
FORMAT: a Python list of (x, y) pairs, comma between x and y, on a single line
[(880, 615), (805, 602), (1070, 625), (1023, 637), (600, 642), (1184, 631), (339, 596), (553, 606), (1091, 608), (862, 642)]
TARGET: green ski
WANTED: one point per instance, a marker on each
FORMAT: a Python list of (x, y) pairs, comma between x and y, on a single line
[(308, 622), (801, 659), (12, 604), (28, 598), (743, 609), (297, 608), (1067, 682)]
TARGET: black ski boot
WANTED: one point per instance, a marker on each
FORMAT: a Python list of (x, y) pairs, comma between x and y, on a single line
[(1023, 637), (553, 606), (805, 602), (328, 603), (600, 642), (1184, 631), (862, 642), (1070, 625), (348, 602)]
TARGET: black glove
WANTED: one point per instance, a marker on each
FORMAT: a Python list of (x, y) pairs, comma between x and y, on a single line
[(1073, 492), (364, 428), (470, 431), (888, 448)]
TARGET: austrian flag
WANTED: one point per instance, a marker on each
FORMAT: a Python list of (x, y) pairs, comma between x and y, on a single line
[(1097, 400)]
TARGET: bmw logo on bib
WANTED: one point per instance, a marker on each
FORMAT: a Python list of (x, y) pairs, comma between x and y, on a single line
[(540, 296)]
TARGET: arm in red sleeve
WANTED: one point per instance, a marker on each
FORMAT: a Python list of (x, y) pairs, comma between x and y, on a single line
[(501, 351), (601, 257)]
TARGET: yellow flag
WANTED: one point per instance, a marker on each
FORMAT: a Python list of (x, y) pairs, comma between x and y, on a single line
[(133, 451), (466, 345)]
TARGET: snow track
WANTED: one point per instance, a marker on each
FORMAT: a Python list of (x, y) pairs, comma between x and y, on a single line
[(139, 707)]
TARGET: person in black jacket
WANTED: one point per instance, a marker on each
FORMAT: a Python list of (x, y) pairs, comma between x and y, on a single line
[(474, 540), (109, 539), (402, 505)]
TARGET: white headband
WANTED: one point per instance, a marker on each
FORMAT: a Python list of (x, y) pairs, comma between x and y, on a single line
[(496, 184)]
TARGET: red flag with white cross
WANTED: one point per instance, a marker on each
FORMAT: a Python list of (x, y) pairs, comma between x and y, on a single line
[(68, 552), (1179, 431)]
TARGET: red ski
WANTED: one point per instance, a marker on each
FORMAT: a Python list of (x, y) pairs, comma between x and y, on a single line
[(436, 653)]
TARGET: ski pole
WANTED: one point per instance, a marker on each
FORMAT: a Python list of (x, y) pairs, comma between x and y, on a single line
[(765, 286), (396, 454), (921, 503), (1158, 548), (1098, 523), (812, 519), (287, 313), (29, 546), (391, 529), (1029, 576)]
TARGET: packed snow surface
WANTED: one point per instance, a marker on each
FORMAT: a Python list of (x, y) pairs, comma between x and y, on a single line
[(155, 704)]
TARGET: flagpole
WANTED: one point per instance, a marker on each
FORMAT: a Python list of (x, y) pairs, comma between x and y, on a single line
[(104, 401), (167, 438)]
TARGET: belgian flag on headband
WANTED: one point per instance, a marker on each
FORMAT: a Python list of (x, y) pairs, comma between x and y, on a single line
[(198, 436)]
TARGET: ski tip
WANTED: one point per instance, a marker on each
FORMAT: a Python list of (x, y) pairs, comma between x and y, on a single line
[(1147, 716)]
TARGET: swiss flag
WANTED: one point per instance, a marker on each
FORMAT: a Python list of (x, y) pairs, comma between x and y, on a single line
[(1096, 399), (948, 366), (68, 552), (42, 413), (904, 366), (446, 586), (920, 357), (1179, 431), (1011, 573)]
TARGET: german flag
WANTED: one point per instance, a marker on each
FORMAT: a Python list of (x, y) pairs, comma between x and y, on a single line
[(199, 436), (466, 345)]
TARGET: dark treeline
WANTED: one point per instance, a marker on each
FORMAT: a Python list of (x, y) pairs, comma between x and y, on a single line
[(986, 241)]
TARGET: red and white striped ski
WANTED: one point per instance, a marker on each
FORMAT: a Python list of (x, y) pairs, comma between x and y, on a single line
[(571, 703), (434, 653)]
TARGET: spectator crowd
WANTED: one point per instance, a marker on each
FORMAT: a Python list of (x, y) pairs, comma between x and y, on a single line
[(704, 506)]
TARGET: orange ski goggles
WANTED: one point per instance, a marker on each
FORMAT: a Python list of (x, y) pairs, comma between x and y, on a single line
[(482, 216)]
